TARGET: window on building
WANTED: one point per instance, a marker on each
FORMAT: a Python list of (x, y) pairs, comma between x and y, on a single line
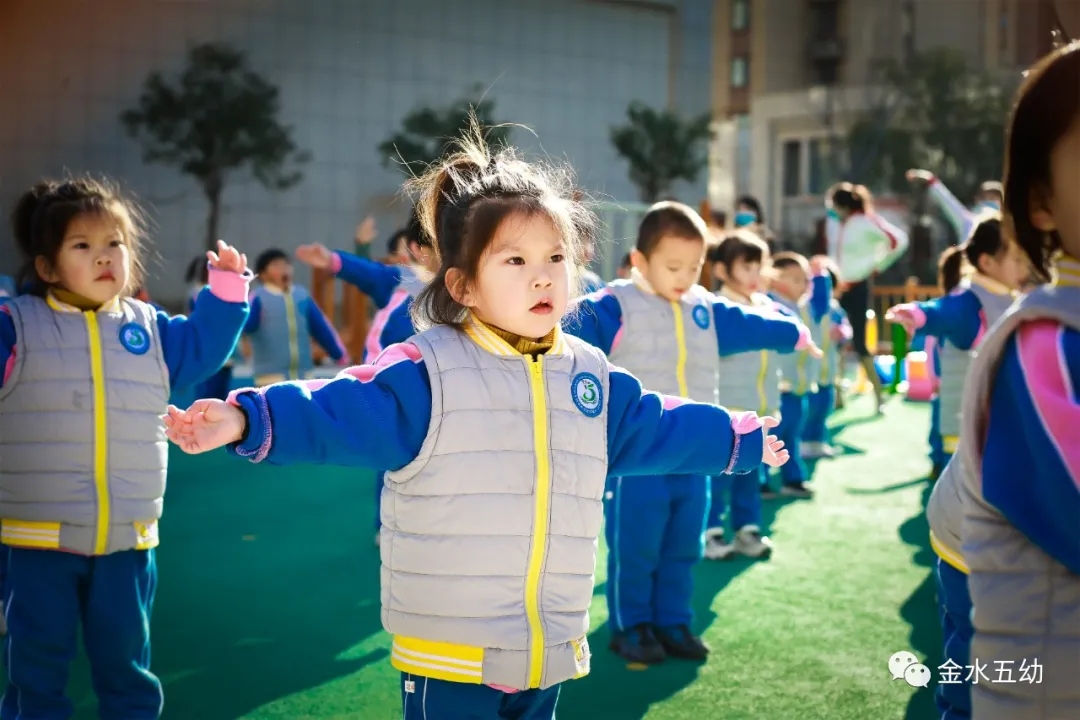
[(740, 73), (792, 169), (740, 15)]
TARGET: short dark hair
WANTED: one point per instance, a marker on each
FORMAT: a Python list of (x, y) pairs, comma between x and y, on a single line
[(669, 219), (755, 207), (42, 215), (786, 259), (266, 257), (738, 245), (1045, 108)]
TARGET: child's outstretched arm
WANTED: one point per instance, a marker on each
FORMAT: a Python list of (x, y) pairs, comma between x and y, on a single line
[(1031, 460), (196, 347), (323, 332), (958, 216), (956, 317), (7, 344), (369, 415), (374, 279), (596, 319), (650, 434), (740, 328), (821, 290)]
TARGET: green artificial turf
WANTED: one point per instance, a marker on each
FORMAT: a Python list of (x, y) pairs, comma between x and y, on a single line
[(268, 599)]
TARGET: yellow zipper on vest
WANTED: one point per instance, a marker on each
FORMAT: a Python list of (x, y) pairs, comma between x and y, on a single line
[(826, 343), (763, 396), (800, 362), (101, 437), (294, 345), (680, 341), (540, 521)]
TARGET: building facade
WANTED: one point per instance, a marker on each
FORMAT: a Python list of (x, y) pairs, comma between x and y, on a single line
[(348, 72), (791, 76)]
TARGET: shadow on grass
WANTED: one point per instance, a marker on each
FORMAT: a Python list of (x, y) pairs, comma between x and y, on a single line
[(613, 690), (920, 609), (268, 575)]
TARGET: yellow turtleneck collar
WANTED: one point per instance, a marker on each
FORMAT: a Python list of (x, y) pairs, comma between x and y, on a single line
[(524, 345), (1066, 271), (65, 300)]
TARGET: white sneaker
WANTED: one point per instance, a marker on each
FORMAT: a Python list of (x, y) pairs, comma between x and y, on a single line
[(715, 546), (750, 543), (816, 450)]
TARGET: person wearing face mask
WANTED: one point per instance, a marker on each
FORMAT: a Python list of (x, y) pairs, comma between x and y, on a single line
[(962, 219), (749, 216), (670, 333)]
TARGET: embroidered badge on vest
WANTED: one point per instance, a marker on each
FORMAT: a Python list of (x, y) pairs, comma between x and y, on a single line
[(587, 394), (134, 338), (700, 313)]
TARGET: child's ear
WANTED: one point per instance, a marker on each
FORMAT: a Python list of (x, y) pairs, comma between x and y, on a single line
[(1041, 217), (638, 261), (45, 270), (458, 288), (720, 272)]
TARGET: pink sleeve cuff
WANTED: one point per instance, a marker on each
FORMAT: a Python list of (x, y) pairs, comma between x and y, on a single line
[(229, 286), (742, 423), (804, 338), (335, 262)]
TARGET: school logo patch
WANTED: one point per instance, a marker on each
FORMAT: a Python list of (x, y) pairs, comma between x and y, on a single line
[(700, 313), (587, 393), (134, 338)]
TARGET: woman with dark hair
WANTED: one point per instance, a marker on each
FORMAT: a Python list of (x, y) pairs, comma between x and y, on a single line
[(750, 216), (862, 244)]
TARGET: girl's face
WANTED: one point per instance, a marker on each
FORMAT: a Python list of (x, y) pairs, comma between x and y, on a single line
[(745, 277), (523, 279), (94, 260), (1061, 210), (1009, 267)]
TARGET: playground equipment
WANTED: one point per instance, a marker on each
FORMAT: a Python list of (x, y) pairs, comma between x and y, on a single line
[(920, 381), (862, 382)]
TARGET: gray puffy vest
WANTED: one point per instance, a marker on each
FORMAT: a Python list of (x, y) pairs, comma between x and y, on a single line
[(829, 365), (670, 347), (751, 380), (1027, 605), (798, 371), (83, 451), (945, 513), (955, 362), (489, 536), (282, 344)]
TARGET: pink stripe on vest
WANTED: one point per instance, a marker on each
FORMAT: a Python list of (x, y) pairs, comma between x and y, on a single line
[(373, 343)]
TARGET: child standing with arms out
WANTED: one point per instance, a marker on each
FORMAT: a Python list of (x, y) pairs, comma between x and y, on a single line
[(284, 320), (836, 332), (1020, 494), (500, 431), (809, 300), (748, 381), (980, 279), (669, 332), (87, 376)]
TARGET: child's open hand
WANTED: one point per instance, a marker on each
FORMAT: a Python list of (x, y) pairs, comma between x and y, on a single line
[(773, 453), (316, 255), (206, 425), (907, 314), (227, 258), (366, 231), (815, 352)]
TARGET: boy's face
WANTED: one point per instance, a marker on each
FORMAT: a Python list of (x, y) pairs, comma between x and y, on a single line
[(673, 267), (791, 282), (279, 272)]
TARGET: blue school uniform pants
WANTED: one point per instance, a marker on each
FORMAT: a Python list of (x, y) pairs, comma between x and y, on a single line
[(937, 443), (48, 595), (425, 698), (819, 405), (737, 497), (954, 607), (792, 419), (655, 528)]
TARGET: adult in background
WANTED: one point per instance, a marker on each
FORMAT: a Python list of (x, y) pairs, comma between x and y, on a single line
[(750, 216), (862, 244)]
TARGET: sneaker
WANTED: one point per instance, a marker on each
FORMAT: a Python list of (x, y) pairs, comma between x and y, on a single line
[(716, 548), (815, 450), (750, 543), (638, 645), (679, 642), (767, 493), (796, 490)]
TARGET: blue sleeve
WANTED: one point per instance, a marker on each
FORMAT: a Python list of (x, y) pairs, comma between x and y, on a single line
[(596, 319), (368, 416), (7, 342), (374, 279), (322, 331), (196, 347), (399, 326), (740, 329), (252, 324), (954, 317), (1031, 462), (820, 297), (647, 438)]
